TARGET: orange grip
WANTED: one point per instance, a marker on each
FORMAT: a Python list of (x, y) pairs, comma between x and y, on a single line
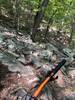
[(38, 91)]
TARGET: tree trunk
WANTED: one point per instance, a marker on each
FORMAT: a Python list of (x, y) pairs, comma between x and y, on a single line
[(71, 40), (38, 18), (72, 31), (48, 26), (49, 23), (17, 14)]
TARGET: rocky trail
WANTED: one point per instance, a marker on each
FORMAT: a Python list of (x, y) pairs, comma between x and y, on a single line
[(23, 63)]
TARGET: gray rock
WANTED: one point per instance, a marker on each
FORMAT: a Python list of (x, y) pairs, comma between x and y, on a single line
[(70, 97), (45, 54)]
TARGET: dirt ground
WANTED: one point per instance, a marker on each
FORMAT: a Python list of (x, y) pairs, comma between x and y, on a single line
[(61, 87)]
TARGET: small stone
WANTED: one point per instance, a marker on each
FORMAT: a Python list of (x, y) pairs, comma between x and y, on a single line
[(72, 74)]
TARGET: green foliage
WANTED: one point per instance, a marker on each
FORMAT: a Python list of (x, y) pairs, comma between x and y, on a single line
[(31, 4), (61, 12)]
